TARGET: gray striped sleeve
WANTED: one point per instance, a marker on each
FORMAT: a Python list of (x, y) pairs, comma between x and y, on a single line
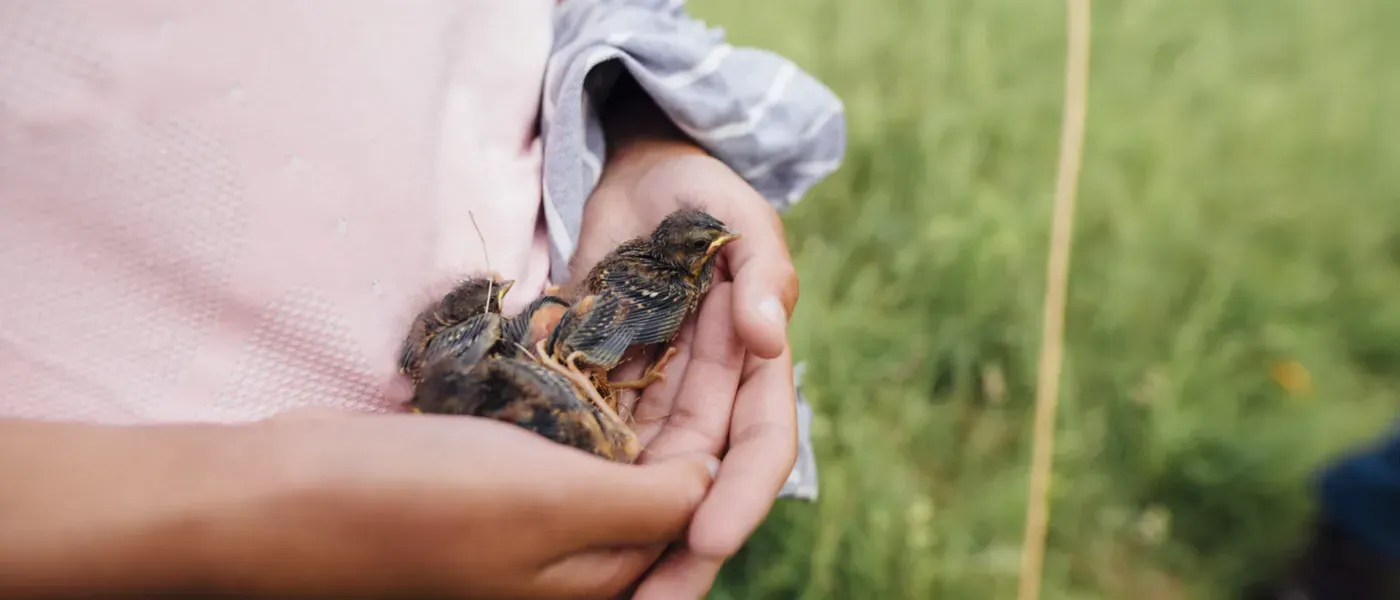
[(770, 121), (774, 124)]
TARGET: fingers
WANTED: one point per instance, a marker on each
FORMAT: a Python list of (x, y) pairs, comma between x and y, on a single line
[(680, 575), (611, 504), (596, 573), (653, 407), (698, 419), (765, 280), (762, 451)]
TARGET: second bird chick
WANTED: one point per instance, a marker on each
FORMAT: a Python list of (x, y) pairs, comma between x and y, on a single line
[(470, 308), (595, 330), (536, 322)]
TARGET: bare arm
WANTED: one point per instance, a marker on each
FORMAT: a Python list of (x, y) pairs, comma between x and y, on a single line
[(88, 508), (338, 506)]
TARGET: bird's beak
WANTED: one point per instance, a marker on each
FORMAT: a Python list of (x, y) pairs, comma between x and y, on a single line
[(501, 288), (719, 243)]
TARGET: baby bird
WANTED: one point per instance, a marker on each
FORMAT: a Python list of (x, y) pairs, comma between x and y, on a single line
[(524, 393), (646, 287), (484, 332), (534, 323), (491, 334), (597, 323), (464, 313)]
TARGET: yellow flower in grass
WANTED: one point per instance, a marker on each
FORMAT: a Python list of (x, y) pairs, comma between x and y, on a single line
[(1292, 376)]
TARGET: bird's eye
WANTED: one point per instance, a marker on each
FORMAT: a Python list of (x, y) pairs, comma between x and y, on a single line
[(700, 245)]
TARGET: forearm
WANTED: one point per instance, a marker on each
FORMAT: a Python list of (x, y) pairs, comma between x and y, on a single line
[(89, 509)]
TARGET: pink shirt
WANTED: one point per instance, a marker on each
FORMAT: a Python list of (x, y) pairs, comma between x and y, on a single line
[(221, 210)]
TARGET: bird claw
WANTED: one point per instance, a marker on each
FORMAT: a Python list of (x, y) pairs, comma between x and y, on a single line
[(574, 375), (654, 374)]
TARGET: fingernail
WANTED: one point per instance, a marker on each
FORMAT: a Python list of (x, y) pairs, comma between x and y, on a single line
[(772, 310), (712, 464)]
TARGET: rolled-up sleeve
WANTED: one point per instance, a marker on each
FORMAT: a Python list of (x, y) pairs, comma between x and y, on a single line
[(774, 124), (770, 121)]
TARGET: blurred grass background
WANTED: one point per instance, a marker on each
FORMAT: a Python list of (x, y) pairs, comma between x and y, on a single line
[(1234, 315)]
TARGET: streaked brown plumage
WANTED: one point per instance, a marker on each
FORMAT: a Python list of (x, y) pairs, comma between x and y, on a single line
[(593, 332), (469, 300), (480, 334), (527, 394), (546, 369), (595, 323), (644, 289), (490, 334)]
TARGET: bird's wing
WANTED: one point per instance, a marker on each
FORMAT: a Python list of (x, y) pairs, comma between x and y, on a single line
[(656, 312), (472, 337), (617, 266), (514, 332), (553, 388), (408, 352), (599, 330)]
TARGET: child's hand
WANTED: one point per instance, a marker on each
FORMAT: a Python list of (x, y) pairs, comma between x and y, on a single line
[(470, 507), (729, 389)]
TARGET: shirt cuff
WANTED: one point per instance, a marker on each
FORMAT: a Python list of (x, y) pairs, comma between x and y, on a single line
[(774, 124)]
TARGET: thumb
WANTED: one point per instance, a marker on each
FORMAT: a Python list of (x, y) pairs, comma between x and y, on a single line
[(765, 280), (631, 505), (765, 292)]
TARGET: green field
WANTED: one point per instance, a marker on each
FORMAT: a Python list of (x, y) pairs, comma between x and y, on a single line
[(1239, 207)]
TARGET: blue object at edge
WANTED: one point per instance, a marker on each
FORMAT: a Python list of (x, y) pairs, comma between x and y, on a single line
[(1361, 494)]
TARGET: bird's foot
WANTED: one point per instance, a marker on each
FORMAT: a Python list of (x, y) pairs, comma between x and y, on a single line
[(599, 379), (578, 376), (610, 395), (545, 358), (654, 374)]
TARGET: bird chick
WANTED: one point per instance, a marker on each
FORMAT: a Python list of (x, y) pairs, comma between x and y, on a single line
[(657, 281), (536, 322), (473, 297), (478, 335), (526, 394), (498, 335), (590, 337)]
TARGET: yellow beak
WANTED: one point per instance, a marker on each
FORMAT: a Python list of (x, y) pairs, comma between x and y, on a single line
[(719, 243), (501, 288)]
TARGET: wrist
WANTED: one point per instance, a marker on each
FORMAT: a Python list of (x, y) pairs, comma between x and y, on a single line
[(637, 130)]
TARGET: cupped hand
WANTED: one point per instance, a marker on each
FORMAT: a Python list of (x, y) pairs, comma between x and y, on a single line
[(729, 389), (446, 506)]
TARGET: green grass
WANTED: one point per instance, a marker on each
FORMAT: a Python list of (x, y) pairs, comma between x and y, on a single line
[(1239, 205)]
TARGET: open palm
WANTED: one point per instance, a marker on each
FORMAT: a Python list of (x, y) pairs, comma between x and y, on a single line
[(728, 390)]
